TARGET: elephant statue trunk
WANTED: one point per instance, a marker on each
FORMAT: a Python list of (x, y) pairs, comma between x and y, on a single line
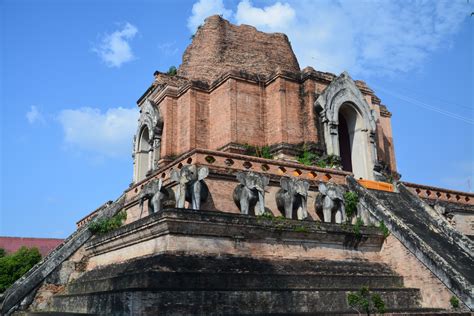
[(292, 198)]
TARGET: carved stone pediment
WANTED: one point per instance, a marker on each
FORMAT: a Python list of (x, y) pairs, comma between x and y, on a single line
[(151, 117), (344, 90)]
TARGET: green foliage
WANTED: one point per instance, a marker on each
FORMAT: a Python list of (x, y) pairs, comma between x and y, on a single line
[(301, 229), (256, 151), (210, 159), (350, 202), (307, 158), (267, 215), (15, 265), (172, 71), (363, 301), (2, 253), (105, 225), (454, 302), (384, 229), (356, 228), (310, 158)]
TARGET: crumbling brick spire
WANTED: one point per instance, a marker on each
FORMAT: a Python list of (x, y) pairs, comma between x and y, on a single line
[(219, 47)]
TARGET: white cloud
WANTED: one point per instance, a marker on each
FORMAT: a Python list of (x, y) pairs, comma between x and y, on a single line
[(364, 37), (275, 16), (114, 49), (168, 48), (106, 134), (34, 115), (204, 8)]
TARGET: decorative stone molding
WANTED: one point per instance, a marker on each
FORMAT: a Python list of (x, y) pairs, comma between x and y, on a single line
[(150, 120), (344, 91)]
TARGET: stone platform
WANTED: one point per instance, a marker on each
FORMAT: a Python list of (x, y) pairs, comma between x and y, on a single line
[(186, 262)]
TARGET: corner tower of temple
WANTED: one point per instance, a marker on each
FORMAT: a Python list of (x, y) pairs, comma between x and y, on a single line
[(238, 87)]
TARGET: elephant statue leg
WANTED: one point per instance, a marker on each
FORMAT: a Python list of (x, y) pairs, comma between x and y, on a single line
[(244, 202), (196, 196), (327, 209), (302, 212), (261, 204), (155, 202), (289, 207), (180, 196)]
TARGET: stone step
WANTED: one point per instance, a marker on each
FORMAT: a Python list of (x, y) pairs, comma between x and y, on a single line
[(225, 302), (234, 264), (233, 281), (392, 312)]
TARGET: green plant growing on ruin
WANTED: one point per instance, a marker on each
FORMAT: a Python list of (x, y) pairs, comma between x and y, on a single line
[(2, 252), (310, 158), (256, 151), (210, 159), (384, 229), (356, 228), (267, 215), (454, 302), (351, 199), (172, 71), (265, 152), (364, 301), (105, 225), (301, 229), (307, 158), (15, 265), (333, 161)]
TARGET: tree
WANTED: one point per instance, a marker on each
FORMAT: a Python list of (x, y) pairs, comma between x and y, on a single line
[(15, 265)]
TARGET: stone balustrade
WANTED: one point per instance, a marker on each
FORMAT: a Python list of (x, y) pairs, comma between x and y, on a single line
[(230, 163), (434, 193)]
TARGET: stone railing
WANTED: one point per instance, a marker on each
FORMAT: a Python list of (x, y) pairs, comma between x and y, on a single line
[(231, 163), (434, 193), (86, 219)]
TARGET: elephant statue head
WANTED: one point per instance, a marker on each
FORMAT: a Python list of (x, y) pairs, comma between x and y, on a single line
[(330, 203), (292, 198), (157, 196), (250, 192), (191, 186)]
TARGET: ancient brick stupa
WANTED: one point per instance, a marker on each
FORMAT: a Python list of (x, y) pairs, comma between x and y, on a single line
[(259, 188)]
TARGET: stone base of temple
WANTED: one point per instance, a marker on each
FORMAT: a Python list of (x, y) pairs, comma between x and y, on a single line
[(183, 262)]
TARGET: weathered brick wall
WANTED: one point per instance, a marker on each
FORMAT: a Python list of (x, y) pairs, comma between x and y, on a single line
[(231, 89), (219, 46), (416, 275)]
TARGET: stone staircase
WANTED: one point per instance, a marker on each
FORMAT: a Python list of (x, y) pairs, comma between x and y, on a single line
[(178, 284), (446, 252)]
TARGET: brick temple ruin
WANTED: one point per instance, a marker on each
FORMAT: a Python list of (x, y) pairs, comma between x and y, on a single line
[(241, 163)]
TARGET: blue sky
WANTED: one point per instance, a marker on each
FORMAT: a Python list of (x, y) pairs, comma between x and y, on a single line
[(71, 72)]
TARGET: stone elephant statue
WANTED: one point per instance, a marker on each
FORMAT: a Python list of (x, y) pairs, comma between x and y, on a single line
[(191, 186), (157, 196), (330, 203), (293, 197), (250, 192)]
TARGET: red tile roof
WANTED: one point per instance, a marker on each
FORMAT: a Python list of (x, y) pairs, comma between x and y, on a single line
[(44, 245)]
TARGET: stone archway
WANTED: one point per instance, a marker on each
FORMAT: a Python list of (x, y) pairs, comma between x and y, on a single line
[(343, 109)]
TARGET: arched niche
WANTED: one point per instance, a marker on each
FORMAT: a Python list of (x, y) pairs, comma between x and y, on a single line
[(142, 154), (147, 140), (348, 124)]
